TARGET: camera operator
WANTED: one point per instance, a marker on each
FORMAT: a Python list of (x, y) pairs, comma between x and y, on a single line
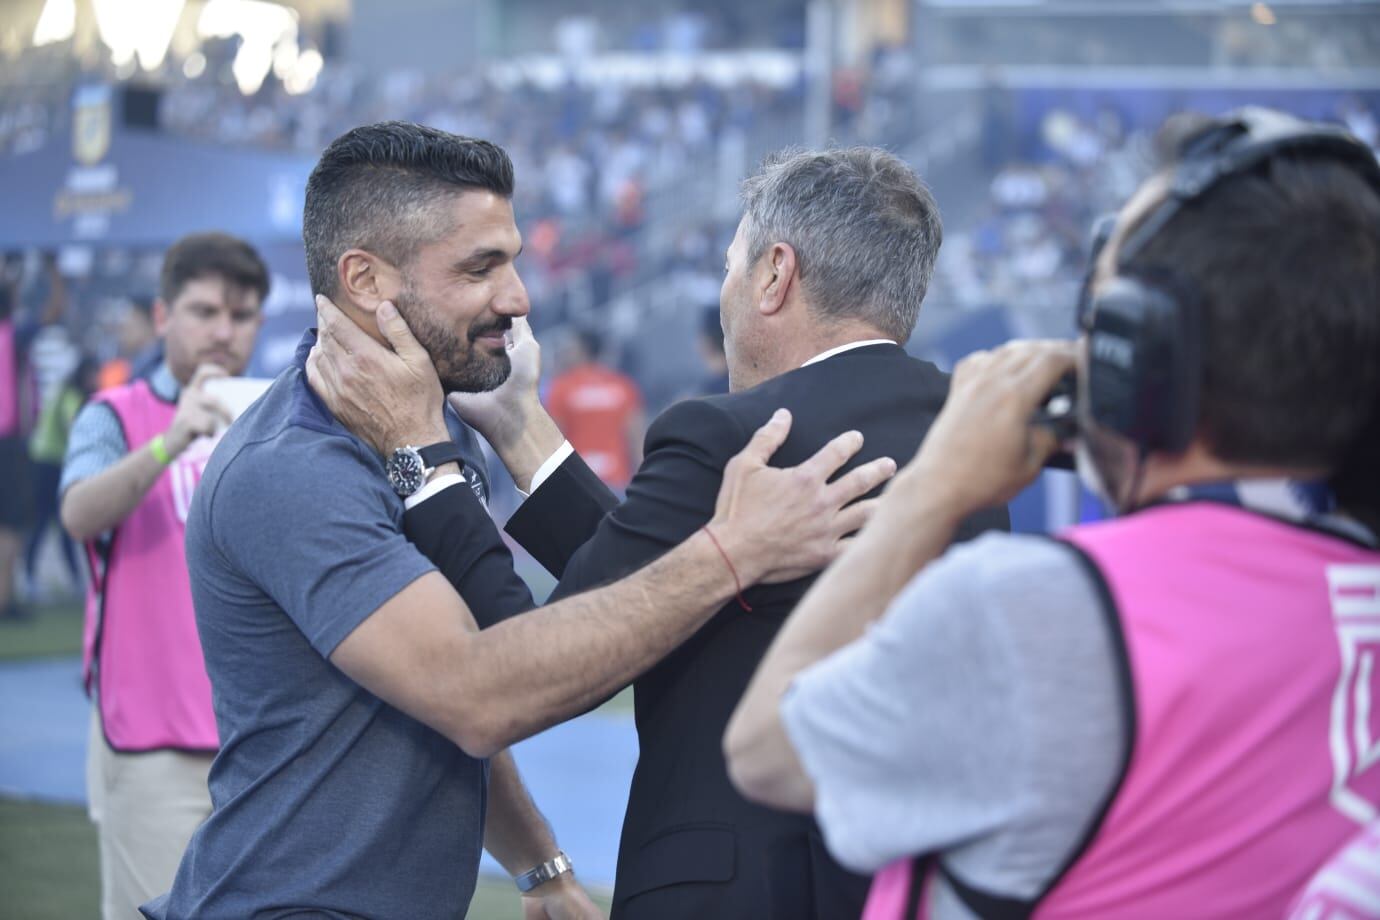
[(1162, 715)]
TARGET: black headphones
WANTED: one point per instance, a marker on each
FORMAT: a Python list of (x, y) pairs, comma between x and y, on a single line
[(1145, 331)]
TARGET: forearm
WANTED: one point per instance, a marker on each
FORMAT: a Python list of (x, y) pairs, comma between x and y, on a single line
[(550, 664), (515, 832), (98, 504), (914, 526)]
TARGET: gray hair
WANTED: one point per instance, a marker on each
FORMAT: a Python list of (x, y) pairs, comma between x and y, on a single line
[(864, 227)]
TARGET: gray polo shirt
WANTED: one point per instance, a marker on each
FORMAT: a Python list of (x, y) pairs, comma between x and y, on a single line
[(328, 802), (980, 719)]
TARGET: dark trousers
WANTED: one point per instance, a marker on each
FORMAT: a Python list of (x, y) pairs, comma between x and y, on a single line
[(45, 477)]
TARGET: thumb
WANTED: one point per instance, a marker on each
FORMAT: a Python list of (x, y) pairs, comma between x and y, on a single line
[(768, 439), (399, 336), (520, 333)]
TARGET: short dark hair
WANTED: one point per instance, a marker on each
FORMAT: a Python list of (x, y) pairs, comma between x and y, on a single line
[(865, 229), (376, 187), (1285, 259), (201, 254)]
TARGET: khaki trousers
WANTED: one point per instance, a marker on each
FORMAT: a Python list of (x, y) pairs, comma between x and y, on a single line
[(146, 807)]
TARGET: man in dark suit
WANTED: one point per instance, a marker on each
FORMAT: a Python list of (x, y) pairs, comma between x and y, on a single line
[(823, 284)]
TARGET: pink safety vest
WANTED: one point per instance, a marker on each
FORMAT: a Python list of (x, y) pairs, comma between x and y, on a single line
[(1252, 647), (141, 646)]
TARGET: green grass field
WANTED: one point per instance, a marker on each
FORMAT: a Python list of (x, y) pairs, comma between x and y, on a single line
[(49, 866), (52, 630), (49, 869)]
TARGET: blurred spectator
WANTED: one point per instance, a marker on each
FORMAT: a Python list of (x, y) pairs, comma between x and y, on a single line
[(47, 447), (17, 396), (52, 353), (599, 410)]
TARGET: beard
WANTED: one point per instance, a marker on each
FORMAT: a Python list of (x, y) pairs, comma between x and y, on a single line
[(461, 365)]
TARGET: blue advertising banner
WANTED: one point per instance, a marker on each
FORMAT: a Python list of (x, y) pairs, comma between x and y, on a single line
[(98, 185)]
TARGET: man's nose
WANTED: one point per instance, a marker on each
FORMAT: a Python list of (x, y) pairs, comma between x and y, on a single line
[(223, 327), (512, 301)]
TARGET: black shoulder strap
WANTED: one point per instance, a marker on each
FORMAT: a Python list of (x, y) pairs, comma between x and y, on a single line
[(994, 907)]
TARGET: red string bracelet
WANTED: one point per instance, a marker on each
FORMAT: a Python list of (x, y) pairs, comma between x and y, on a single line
[(715, 540)]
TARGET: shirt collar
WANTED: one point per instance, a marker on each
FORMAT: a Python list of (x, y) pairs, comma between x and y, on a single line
[(838, 350), (308, 410), (164, 384), (299, 357)]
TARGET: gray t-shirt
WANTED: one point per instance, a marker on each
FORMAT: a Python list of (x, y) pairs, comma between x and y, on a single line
[(327, 800), (980, 719)]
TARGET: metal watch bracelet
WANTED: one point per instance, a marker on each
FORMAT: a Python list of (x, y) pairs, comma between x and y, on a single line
[(558, 865)]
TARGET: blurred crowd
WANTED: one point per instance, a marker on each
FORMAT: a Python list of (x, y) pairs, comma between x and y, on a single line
[(49, 367), (1028, 241)]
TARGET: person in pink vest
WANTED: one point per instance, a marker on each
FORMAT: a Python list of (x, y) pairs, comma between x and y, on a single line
[(1165, 714), (134, 457)]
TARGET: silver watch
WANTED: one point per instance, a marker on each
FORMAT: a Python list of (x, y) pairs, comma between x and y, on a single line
[(407, 471), (559, 865)]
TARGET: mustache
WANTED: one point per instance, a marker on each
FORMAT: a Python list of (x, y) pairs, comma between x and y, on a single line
[(498, 326)]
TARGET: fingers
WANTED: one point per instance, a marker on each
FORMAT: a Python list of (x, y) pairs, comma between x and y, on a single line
[(851, 519), (862, 480), (396, 331), (833, 455), (1041, 444), (520, 333), (314, 367), (769, 438), (328, 316), (322, 373), (205, 372), (334, 328), (1047, 362), (217, 408)]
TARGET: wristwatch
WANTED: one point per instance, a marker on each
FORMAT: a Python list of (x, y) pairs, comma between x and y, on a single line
[(408, 466), (559, 865)]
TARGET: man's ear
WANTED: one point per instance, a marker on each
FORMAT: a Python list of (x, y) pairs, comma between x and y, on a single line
[(780, 267), (161, 314), (366, 280)]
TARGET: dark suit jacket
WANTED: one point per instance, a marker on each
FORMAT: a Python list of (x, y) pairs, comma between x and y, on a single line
[(453, 529), (692, 847)]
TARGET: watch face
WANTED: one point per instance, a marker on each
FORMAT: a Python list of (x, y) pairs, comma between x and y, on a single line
[(406, 472)]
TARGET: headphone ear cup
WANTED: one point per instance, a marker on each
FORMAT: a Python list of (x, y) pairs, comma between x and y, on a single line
[(1144, 364)]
